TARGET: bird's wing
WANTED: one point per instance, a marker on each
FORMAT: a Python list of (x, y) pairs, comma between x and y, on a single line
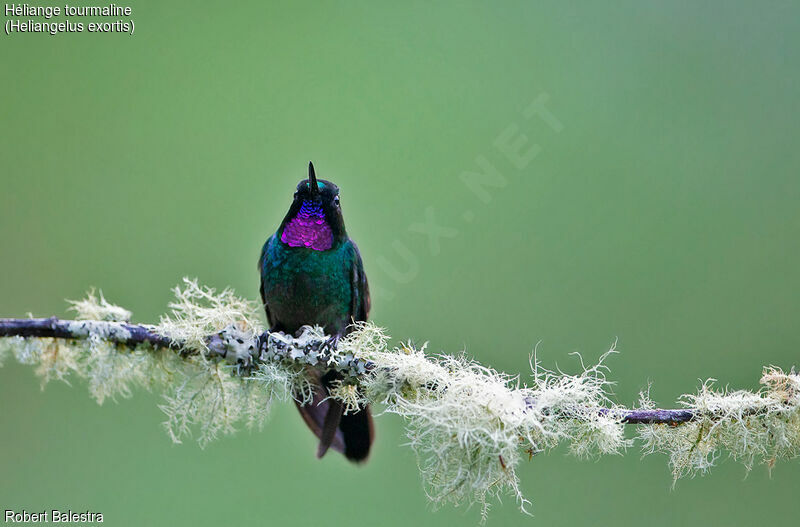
[(261, 263), (359, 309)]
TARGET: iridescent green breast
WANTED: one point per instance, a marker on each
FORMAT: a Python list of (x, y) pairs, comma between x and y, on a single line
[(305, 286)]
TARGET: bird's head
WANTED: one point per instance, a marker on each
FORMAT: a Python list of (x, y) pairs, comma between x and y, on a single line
[(314, 220)]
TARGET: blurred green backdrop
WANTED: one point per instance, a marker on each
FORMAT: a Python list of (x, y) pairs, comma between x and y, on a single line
[(665, 213)]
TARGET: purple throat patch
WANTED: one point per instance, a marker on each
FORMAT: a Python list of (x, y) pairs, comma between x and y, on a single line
[(308, 229)]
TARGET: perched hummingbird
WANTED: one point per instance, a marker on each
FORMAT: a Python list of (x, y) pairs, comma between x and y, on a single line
[(312, 274)]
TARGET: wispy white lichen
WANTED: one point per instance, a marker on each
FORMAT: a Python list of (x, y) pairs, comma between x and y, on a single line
[(54, 359), (113, 373), (206, 398), (95, 307), (749, 426), (198, 312), (7, 345), (469, 425)]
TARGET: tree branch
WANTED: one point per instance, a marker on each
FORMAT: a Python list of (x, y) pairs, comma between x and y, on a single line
[(470, 425), (71, 329), (135, 334)]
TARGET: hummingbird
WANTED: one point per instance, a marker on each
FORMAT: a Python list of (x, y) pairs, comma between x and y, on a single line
[(312, 274)]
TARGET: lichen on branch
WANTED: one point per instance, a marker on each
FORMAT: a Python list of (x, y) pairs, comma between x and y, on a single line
[(470, 425)]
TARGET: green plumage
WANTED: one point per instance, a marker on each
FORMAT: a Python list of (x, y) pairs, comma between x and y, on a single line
[(303, 286), (311, 274)]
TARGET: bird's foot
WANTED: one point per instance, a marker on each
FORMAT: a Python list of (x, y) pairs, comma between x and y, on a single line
[(330, 345)]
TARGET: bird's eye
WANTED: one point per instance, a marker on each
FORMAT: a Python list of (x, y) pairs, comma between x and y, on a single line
[(295, 195), (336, 201)]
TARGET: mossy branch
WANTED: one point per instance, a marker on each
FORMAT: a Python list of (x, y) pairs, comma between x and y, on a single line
[(470, 425), (262, 348), (118, 332)]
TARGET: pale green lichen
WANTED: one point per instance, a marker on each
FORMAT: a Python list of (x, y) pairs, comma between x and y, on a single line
[(349, 394), (207, 399), (283, 382), (113, 373), (7, 346), (55, 359), (469, 425), (95, 307), (199, 311), (110, 370), (750, 426)]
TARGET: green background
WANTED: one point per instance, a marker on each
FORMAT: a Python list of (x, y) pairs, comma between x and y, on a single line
[(665, 213)]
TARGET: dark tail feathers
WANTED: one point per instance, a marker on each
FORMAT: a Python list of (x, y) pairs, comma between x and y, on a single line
[(349, 434)]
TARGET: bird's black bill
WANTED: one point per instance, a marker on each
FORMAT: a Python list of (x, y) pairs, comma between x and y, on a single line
[(312, 179)]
